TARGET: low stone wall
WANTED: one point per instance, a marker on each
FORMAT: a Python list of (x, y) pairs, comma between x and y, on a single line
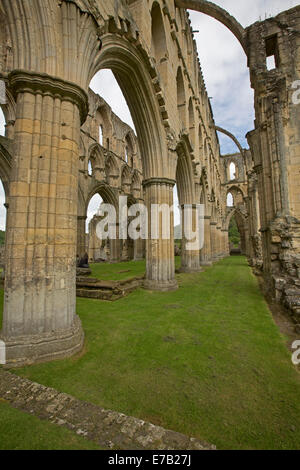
[(109, 429)]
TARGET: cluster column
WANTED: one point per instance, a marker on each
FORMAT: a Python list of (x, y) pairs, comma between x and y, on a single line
[(160, 272), (213, 235), (81, 241), (190, 258), (205, 255), (39, 320)]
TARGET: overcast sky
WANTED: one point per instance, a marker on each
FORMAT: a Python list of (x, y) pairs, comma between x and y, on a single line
[(225, 72)]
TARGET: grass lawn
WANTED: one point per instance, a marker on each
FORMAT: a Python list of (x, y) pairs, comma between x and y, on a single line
[(21, 431), (206, 360), (120, 271)]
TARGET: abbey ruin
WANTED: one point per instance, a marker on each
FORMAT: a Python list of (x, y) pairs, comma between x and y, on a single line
[(63, 145)]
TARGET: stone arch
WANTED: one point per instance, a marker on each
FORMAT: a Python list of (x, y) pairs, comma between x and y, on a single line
[(111, 170), (213, 10), (132, 74), (106, 193), (126, 179), (237, 194), (185, 174), (97, 159), (234, 139), (136, 185), (5, 165), (241, 224)]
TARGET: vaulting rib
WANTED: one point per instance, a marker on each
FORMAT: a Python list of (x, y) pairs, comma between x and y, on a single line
[(213, 10)]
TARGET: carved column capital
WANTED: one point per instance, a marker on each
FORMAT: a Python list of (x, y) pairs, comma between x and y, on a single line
[(158, 181), (22, 81)]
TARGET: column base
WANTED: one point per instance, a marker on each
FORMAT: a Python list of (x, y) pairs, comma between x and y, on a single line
[(206, 263), (27, 350), (162, 286)]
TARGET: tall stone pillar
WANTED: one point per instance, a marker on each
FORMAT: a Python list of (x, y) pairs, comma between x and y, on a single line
[(205, 254), (190, 259), (39, 321), (81, 237), (160, 272), (213, 241)]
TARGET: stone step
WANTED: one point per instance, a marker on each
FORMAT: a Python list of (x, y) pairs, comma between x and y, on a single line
[(93, 288)]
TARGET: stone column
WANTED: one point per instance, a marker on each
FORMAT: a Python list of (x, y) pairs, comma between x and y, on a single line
[(205, 254), (190, 259), (226, 251), (39, 321), (116, 247), (219, 242), (160, 272), (139, 250), (81, 237), (213, 235)]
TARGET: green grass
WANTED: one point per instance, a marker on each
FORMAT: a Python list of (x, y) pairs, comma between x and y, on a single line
[(120, 271), (206, 360), (1, 306), (22, 431)]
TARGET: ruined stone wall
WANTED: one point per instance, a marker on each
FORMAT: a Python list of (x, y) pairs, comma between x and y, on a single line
[(275, 145), (110, 165), (48, 57)]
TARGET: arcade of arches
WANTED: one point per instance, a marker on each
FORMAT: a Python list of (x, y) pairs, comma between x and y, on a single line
[(64, 144)]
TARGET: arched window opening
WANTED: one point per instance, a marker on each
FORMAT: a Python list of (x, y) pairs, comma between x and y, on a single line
[(107, 143), (90, 168), (181, 97), (101, 135), (230, 201), (129, 150), (158, 33), (94, 244), (3, 212), (191, 123), (272, 52), (2, 123), (105, 85), (177, 223), (159, 43), (232, 171)]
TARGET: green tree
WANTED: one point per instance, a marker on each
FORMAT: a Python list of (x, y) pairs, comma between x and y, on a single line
[(234, 234)]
